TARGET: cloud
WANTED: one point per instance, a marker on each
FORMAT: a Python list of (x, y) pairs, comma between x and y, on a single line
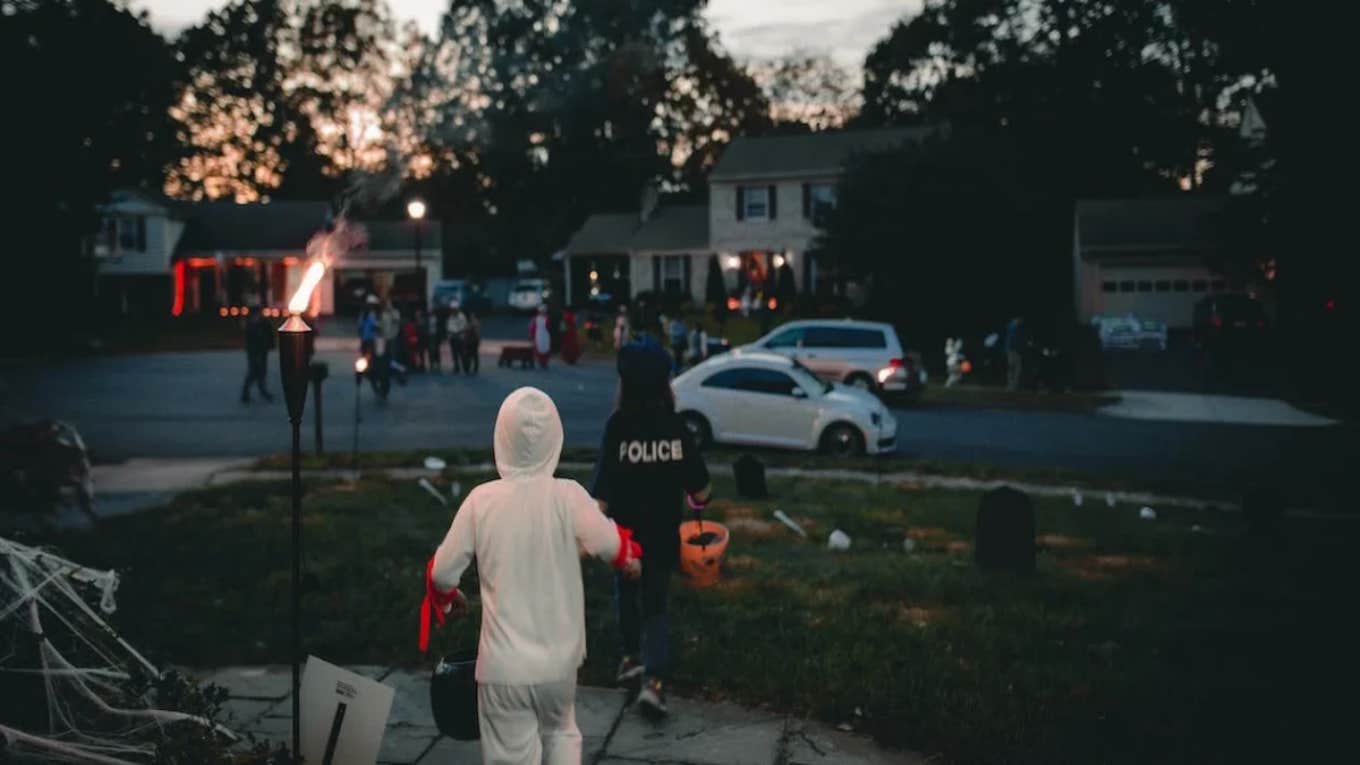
[(845, 29)]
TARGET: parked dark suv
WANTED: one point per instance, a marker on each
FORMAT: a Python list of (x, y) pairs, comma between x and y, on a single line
[(1229, 322)]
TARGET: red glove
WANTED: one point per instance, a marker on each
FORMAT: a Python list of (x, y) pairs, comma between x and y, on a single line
[(628, 548), (435, 602)]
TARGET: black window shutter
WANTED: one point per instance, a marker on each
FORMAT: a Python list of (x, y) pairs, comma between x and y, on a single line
[(741, 203), (656, 274), (141, 233), (686, 260), (807, 200), (774, 207)]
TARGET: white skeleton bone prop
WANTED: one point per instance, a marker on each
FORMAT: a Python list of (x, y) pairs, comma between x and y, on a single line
[(39, 601)]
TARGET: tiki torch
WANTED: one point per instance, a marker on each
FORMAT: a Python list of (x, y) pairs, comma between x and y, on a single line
[(293, 368)]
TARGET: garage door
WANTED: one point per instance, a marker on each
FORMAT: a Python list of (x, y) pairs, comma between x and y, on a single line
[(1166, 294)]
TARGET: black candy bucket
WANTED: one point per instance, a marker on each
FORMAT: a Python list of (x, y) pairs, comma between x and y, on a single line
[(453, 696)]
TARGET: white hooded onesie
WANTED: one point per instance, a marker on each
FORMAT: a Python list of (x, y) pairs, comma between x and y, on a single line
[(527, 531)]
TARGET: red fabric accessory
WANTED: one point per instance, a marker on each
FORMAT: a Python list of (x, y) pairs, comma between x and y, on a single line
[(434, 603), (628, 548)]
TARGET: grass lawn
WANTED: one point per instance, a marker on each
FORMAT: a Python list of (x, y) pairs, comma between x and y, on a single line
[(1136, 642)]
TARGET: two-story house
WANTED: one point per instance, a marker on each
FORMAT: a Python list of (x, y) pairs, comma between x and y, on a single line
[(158, 256), (765, 198)]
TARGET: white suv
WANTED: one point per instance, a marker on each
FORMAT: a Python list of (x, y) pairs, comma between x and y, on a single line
[(864, 354)]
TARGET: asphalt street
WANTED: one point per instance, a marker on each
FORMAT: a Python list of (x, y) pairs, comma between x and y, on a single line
[(187, 404)]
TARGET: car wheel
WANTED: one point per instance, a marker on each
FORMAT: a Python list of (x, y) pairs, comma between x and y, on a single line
[(698, 428), (862, 381), (842, 439)]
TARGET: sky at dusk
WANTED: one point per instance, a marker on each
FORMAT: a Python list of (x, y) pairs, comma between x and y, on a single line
[(750, 29)]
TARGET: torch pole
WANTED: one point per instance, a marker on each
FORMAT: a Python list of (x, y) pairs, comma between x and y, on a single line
[(358, 388), (293, 368)]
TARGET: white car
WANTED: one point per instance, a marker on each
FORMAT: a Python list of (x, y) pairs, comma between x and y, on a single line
[(862, 354), (528, 294), (765, 399)]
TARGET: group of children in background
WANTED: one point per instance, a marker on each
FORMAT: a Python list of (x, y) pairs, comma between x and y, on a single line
[(527, 532), (415, 339)]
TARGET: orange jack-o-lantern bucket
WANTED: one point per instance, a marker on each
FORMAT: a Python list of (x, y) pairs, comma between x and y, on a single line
[(702, 546)]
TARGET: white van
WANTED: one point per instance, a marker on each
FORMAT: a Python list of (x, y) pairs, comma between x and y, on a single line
[(865, 354)]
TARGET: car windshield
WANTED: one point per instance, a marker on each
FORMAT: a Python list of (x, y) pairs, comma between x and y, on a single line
[(808, 380)]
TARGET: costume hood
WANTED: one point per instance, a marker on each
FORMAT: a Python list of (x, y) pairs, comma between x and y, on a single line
[(528, 437)]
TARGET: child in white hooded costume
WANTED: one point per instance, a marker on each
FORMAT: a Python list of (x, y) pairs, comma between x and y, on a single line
[(527, 531)]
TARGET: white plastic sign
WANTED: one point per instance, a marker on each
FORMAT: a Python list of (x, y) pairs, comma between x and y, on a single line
[(344, 715)]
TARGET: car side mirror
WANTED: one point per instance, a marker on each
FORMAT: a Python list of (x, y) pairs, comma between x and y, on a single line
[(799, 393)]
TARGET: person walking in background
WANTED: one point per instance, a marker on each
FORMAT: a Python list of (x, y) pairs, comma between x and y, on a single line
[(571, 344), (622, 332), (698, 344), (259, 339), (369, 329), (456, 328), (411, 344), (434, 338), (647, 465), (540, 336), (472, 345), (1016, 340), (679, 335)]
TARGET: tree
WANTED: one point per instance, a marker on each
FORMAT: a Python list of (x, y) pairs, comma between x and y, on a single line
[(87, 89), (715, 289), (943, 232), (556, 110), (806, 89)]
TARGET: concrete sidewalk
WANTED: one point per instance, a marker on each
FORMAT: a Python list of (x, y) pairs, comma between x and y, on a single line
[(696, 733)]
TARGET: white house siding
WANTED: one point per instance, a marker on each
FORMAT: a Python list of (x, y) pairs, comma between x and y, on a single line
[(162, 234), (789, 231)]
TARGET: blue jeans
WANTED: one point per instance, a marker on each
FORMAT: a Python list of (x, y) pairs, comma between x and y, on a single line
[(646, 628)]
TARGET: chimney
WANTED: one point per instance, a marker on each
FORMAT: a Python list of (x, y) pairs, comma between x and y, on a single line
[(647, 204)]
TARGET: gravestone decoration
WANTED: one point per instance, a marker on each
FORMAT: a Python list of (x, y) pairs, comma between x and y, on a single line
[(750, 475), (1005, 532)]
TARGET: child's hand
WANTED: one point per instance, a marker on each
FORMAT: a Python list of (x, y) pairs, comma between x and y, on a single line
[(633, 569), (459, 607)]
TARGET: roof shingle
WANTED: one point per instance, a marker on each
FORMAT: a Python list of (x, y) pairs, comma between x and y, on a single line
[(809, 154), (676, 228), (1175, 223)]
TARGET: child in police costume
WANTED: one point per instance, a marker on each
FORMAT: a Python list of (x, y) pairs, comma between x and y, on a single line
[(527, 532), (648, 465)]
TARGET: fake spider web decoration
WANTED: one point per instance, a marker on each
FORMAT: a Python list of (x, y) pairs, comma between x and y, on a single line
[(67, 674)]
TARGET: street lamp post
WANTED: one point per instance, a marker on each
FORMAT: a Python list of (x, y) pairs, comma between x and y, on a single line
[(416, 210)]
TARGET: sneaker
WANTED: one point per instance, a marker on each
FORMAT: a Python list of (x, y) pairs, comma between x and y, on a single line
[(628, 670), (651, 700)]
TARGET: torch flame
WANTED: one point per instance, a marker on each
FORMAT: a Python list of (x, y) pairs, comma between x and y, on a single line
[(303, 297)]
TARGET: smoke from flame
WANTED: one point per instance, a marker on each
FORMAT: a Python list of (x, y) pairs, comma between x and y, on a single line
[(322, 250)]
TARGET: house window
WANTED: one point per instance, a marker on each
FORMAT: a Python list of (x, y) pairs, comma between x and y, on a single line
[(755, 203), (1126, 286), (131, 231), (818, 200), (1182, 285), (1199, 285), (1109, 287), (673, 274), (1144, 286), (1217, 285), (1163, 286)]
